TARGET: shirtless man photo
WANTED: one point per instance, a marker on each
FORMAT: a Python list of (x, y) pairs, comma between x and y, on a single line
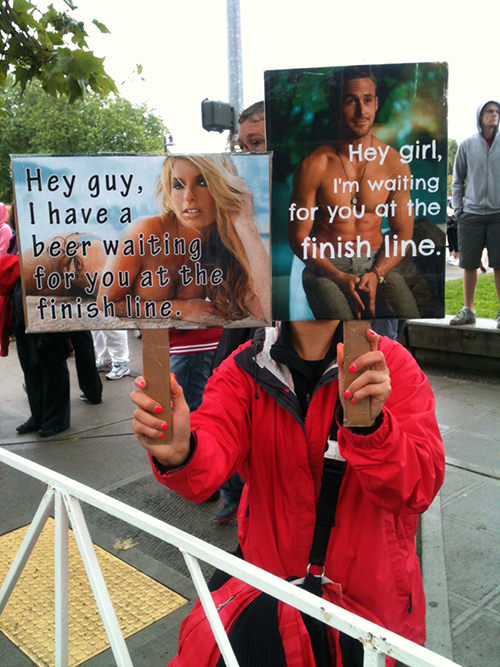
[(336, 212)]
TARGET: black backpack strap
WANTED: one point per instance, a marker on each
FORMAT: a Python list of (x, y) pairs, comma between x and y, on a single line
[(331, 479), (333, 472)]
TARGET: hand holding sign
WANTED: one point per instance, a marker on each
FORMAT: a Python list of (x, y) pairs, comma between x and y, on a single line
[(150, 427), (364, 380)]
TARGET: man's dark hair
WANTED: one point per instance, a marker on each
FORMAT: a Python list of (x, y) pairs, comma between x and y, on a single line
[(340, 76), (254, 112)]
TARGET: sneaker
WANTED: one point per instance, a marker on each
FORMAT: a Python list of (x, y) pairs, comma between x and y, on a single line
[(498, 319), (118, 371), (103, 367), (464, 316)]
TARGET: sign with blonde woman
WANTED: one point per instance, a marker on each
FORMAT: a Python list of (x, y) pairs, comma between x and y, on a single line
[(143, 241)]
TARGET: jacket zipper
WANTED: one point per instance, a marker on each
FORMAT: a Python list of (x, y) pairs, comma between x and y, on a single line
[(223, 604)]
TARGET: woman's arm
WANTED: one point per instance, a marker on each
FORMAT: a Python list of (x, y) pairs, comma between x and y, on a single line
[(258, 300), (196, 464), (400, 464)]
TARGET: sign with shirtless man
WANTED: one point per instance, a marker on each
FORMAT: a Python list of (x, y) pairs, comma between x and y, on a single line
[(143, 241), (359, 191)]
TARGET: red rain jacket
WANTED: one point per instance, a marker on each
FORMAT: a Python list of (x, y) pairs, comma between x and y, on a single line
[(250, 422), (9, 275)]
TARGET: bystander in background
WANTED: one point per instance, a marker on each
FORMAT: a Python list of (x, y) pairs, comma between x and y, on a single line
[(476, 203)]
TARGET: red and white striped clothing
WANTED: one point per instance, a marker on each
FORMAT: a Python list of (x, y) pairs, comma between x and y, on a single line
[(188, 341)]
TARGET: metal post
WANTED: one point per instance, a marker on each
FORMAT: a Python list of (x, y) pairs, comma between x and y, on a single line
[(234, 64), (61, 605), (372, 658), (211, 612), (97, 583), (29, 541)]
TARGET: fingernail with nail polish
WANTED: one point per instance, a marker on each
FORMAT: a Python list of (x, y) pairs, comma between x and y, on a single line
[(371, 332), (158, 409), (346, 394), (164, 426), (352, 368), (141, 384), (160, 435)]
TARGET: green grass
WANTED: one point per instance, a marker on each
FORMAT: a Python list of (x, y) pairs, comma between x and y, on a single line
[(486, 303)]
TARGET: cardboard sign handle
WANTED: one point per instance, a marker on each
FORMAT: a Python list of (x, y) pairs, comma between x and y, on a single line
[(355, 344), (156, 371)]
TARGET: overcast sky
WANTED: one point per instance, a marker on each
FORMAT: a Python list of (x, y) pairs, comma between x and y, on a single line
[(182, 47)]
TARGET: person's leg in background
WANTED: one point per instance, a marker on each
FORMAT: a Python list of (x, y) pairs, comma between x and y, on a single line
[(117, 347), (46, 377), (55, 385), (102, 356), (86, 370)]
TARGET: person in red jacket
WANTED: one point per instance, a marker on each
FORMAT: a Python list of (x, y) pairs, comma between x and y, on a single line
[(273, 411)]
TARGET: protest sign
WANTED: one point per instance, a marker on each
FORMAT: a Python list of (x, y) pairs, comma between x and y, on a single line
[(144, 241), (359, 191)]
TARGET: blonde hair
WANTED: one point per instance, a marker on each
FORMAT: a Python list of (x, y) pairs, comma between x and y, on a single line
[(228, 190)]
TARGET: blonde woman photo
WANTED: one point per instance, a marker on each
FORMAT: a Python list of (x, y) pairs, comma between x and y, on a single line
[(202, 258)]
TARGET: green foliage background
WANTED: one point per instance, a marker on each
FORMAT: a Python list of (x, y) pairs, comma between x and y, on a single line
[(50, 46), (36, 122)]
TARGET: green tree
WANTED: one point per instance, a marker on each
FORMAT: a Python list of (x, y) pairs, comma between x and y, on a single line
[(35, 122), (50, 47)]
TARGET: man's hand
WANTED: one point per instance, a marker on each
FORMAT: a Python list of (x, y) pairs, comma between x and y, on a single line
[(374, 382), (349, 284), (368, 283), (149, 427)]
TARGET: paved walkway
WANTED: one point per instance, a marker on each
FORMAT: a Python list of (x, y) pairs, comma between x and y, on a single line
[(460, 533)]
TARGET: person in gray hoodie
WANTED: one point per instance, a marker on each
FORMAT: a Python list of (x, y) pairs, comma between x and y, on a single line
[(476, 203)]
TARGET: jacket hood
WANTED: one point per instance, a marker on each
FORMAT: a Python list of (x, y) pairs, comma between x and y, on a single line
[(478, 114)]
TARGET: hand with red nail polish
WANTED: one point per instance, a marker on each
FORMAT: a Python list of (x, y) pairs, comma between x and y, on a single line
[(140, 383), (149, 428), (373, 380)]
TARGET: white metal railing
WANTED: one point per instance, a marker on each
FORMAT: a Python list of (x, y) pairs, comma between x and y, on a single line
[(62, 499)]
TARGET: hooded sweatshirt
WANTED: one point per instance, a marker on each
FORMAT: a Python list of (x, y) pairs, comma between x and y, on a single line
[(476, 173)]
